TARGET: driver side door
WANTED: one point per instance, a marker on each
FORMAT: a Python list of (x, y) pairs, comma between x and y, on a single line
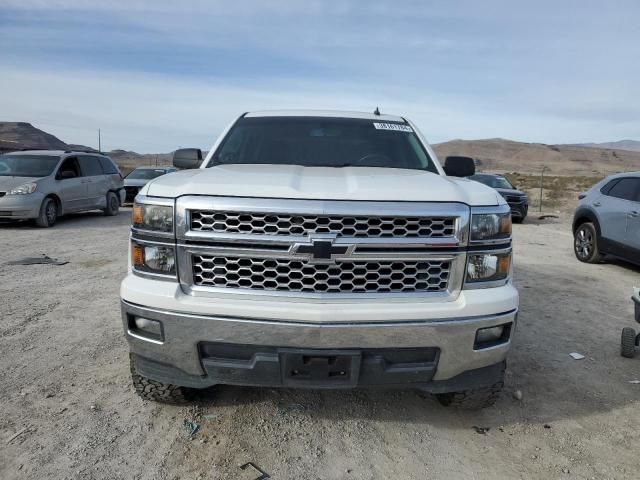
[(72, 191)]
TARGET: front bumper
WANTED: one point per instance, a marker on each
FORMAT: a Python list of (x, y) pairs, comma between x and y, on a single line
[(199, 350), (130, 193), (519, 209), (20, 207)]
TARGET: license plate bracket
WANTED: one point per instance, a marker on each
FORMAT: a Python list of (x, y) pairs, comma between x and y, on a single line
[(319, 368)]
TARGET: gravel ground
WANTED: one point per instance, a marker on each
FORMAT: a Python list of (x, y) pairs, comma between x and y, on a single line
[(68, 409)]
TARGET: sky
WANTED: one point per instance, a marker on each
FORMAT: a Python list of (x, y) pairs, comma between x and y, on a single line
[(155, 75)]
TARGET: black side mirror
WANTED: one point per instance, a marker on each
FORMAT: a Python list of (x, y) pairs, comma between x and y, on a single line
[(187, 158), (459, 166), (66, 174)]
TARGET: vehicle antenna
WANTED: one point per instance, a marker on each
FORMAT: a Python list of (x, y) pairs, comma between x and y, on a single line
[(376, 111)]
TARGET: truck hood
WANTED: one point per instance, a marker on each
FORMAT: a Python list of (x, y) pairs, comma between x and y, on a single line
[(7, 183), (298, 182)]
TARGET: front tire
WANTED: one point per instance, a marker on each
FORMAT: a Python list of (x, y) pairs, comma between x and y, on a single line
[(157, 391), (113, 205), (474, 399), (628, 342), (585, 243), (48, 213)]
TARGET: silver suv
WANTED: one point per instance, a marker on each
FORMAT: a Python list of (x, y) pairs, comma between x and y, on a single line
[(45, 184), (607, 220)]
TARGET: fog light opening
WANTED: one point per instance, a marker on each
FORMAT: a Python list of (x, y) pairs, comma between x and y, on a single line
[(492, 336), (147, 328)]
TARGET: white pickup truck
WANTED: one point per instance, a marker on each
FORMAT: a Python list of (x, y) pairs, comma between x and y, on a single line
[(321, 250)]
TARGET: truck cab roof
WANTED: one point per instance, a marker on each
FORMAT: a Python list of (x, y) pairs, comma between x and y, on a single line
[(324, 113)]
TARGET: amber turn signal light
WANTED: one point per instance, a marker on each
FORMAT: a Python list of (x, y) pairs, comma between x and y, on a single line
[(137, 255), (137, 215), (503, 263), (505, 224)]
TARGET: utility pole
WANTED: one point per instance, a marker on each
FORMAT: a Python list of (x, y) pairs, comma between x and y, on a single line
[(99, 142), (541, 177)]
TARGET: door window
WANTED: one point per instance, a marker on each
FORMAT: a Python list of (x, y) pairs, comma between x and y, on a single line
[(107, 166), (626, 189), (69, 165), (90, 166)]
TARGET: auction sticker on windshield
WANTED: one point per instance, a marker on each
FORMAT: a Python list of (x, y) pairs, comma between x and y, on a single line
[(392, 126)]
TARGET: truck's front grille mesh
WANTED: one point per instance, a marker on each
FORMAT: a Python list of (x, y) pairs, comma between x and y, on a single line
[(342, 226), (288, 275)]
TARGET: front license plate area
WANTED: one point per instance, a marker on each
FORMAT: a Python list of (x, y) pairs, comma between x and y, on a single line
[(319, 368)]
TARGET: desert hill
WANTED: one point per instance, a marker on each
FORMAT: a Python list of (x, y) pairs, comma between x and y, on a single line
[(632, 145), (25, 135), (500, 155)]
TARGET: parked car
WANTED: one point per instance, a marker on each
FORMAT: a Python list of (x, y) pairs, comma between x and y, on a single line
[(516, 199), (44, 184), (320, 250), (139, 177), (607, 220)]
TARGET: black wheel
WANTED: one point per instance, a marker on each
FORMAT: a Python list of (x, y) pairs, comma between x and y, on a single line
[(48, 213), (157, 391), (113, 205), (585, 243), (474, 399), (517, 219), (628, 342)]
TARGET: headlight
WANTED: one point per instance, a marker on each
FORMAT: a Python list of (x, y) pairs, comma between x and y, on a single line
[(158, 259), (488, 267), (490, 226), (24, 189), (158, 218)]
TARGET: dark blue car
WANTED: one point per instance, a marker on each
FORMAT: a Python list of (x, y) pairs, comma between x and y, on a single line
[(516, 199)]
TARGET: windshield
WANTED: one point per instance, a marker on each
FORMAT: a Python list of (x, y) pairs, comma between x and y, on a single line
[(146, 173), (27, 165), (493, 182), (323, 142)]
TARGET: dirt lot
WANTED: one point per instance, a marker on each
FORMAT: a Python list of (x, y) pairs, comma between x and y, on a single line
[(68, 409)]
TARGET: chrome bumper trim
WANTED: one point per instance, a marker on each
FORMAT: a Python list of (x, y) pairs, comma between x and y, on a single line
[(183, 331)]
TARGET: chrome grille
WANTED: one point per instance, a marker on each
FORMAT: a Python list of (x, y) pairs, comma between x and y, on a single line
[(290, 275), (341, 226), (513, 199), (321, 249)]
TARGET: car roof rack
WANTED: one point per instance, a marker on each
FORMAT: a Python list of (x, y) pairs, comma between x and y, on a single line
[(27, 149)]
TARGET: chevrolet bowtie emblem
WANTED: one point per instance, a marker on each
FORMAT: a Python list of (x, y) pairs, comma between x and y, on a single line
[(322, 250)]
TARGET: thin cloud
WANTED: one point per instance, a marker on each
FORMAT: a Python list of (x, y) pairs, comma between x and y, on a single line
[(547, 72)]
